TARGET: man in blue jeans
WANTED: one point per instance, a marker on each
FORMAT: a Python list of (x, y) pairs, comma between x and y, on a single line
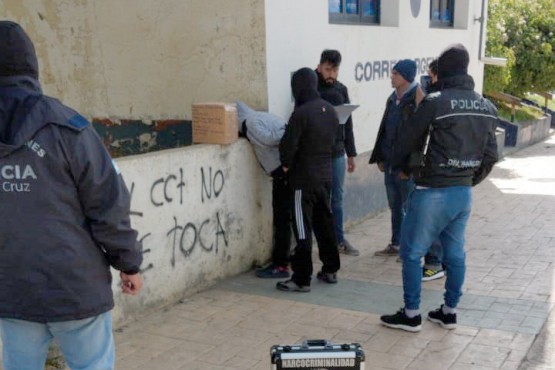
[(65, 220), (450, 147), (334, 92), (399, 108)]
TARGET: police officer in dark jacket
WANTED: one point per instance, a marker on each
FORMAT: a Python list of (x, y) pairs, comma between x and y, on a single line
[(65, 220), (306, 153), (450, 147)]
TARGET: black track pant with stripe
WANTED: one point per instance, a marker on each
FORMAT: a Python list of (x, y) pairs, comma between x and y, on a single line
[(312, 212), (282, 205)]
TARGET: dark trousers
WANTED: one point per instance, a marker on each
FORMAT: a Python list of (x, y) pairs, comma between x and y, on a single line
[(282, 205), (312, 212)]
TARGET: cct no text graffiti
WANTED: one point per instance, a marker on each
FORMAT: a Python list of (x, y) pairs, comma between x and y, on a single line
[(184, 236)]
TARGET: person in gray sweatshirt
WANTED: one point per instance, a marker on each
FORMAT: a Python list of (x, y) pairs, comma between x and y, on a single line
[(65, 221), (264, 131)]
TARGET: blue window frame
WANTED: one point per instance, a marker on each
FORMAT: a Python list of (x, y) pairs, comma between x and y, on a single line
[(442, 13), (354, 11)]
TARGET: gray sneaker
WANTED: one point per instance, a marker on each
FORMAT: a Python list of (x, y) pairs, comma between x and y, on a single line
[(327, 277), (390, 250), (346, 248)]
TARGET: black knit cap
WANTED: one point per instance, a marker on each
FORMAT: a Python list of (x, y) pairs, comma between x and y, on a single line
[(453, 61), (17, 53)]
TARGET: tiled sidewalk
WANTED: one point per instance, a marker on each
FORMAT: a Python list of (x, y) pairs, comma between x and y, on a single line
[(508, 296)]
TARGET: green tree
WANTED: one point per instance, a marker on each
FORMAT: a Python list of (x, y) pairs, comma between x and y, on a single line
[(497, 78), (523, 31)]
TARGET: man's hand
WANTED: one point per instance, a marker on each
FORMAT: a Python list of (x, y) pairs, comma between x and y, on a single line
[(131, 284), (381, 166), (351, 164), (285, 169)]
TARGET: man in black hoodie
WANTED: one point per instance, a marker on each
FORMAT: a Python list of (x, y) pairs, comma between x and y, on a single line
[(306, 154), (450, 147), (65, 220)]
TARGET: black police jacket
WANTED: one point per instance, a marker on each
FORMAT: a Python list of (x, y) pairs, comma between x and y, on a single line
[(462, 147)]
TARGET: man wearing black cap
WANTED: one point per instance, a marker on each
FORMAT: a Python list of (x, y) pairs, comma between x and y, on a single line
[(399, 108), (65, 220), (450, 147)]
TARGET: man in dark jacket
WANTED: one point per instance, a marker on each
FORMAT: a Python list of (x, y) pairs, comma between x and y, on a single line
[(65, 221), (450, 147), (334, 92), (399, 109), (305, 153)]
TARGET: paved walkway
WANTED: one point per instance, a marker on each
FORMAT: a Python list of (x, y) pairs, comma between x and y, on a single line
[(503, 316)]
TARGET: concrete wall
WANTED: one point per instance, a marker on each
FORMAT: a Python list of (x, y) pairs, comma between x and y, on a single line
[(531, 132), (146, 59), (525, 133), (202, 212)]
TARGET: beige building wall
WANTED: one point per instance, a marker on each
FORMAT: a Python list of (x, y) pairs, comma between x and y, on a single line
[(144, 59)]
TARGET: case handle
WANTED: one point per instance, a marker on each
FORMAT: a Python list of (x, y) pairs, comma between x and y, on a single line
[(316, 343)]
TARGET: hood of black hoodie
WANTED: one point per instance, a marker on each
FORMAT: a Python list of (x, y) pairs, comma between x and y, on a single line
[(465, 82), (304, 84), (20, 89), (17, 56)]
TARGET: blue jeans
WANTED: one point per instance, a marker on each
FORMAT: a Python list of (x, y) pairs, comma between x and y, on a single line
[(397, 192), (86, 344), (432, 214), (338, 171)]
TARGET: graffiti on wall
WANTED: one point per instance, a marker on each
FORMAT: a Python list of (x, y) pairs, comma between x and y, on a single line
[(185, 233)]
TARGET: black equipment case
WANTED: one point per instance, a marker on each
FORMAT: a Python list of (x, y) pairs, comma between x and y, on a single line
[(318, 354)]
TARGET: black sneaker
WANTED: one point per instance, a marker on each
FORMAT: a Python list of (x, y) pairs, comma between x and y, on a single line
[(402, 321), (447, 321), (291, 286), (327, 277)]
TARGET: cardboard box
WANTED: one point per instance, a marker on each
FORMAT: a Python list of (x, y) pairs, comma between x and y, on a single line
[(215, 123)]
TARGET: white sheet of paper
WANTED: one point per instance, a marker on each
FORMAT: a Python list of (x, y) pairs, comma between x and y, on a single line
[(344, 111)]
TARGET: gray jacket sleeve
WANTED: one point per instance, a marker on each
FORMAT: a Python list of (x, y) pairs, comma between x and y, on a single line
[(265, 129), (104, 198)]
